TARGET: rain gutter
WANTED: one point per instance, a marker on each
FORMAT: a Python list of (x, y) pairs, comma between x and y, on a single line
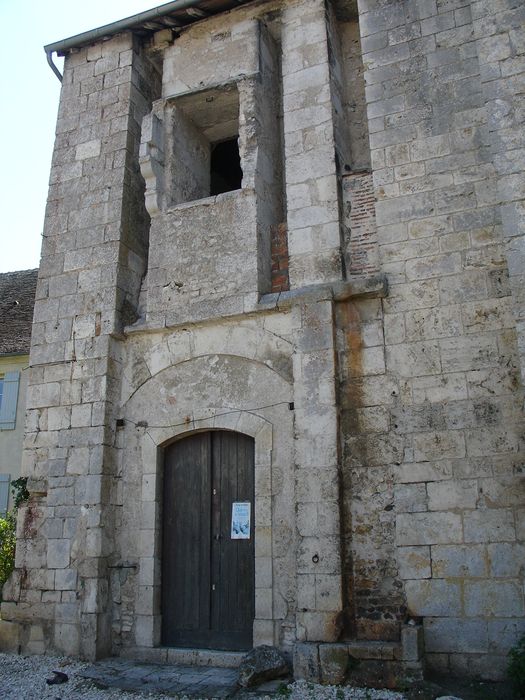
[(61, 47)]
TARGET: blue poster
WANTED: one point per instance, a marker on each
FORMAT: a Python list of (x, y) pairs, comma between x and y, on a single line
[(241, 521)]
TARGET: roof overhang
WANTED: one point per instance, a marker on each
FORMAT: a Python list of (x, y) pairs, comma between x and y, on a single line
[(172, 15)]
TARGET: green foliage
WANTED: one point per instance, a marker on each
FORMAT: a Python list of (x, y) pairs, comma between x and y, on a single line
[(19, 491), (8, 531), (516, 667), (284, 691), (7, 547)]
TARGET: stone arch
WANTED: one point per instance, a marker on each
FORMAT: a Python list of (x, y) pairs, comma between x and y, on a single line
[(210, 392), (245, 340)]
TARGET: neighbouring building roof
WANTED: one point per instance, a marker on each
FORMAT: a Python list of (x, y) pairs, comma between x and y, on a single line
[(17, 299)]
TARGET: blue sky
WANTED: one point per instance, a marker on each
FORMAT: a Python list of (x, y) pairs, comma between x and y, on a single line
[(30, 94)]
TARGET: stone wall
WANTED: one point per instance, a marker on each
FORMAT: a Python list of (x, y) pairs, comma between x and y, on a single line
[(445, 444), (388, 425), (94, 254)]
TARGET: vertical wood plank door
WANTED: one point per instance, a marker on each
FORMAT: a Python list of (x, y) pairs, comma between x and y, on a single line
[(208, 587)]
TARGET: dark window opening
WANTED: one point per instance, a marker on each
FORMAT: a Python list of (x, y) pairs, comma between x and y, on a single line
[(225, 170)]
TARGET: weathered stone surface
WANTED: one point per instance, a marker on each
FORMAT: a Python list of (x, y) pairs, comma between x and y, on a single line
[(333, 661), (306, 664), (261, 664), (9, 636), (381, 380)]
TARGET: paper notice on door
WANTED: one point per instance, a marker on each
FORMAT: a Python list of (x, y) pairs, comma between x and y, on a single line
[(241, 521)]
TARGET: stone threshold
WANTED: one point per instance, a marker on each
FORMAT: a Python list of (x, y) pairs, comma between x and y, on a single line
[(184, 657)]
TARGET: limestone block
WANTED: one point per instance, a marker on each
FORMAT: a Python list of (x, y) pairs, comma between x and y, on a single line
[(454, 494), (493, 598), (327, 593), (263, 603), (263, 572), (459, 561), (333, 662), (144, 629), (93, 544), (59, 418), (315, 446), (434, 323), (433, 597), (438, 445), (504, 634), (51, 596), (306, 664), (428, 528), (263, 542), (412, 642), (455, 634), (481, 442), (433, 265), (469, 354), (91, 590), (414, 562), (318, 555), (9, 636), (193, 61), (506, 559), (66, 638), (263, 632), (42, 395), (67, 612), (318, 626), (58, 554), (88, 149), (467, 663), (306, 596), (415, 359), (88, 489), (65, 580), (410, 498), (40, 579), (492, 382), (489, 526)]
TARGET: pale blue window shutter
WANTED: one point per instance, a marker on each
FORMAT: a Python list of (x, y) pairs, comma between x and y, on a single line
[(4, 493), (9, 401)]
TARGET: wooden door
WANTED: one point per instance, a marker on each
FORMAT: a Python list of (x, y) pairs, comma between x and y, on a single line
[(207, 577)]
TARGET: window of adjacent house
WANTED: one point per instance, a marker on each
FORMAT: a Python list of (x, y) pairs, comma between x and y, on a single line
[(205, 145), (4, 493), (8, 400)]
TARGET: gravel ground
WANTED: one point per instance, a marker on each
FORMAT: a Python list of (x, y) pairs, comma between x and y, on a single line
[(24, 678)]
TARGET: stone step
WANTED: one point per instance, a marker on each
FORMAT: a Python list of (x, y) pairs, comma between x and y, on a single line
[(185, 657), (361, 649)]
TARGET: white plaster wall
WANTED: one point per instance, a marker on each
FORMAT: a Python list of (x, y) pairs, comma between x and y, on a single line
[(11, 440)]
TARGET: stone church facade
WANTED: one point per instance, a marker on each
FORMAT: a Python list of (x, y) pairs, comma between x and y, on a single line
[(287, 236)]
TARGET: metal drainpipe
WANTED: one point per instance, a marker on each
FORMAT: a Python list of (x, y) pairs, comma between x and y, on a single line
[(49, 56), (114, 28)]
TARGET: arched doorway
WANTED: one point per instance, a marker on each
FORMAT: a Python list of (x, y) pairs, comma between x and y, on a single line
[(207, 558)]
